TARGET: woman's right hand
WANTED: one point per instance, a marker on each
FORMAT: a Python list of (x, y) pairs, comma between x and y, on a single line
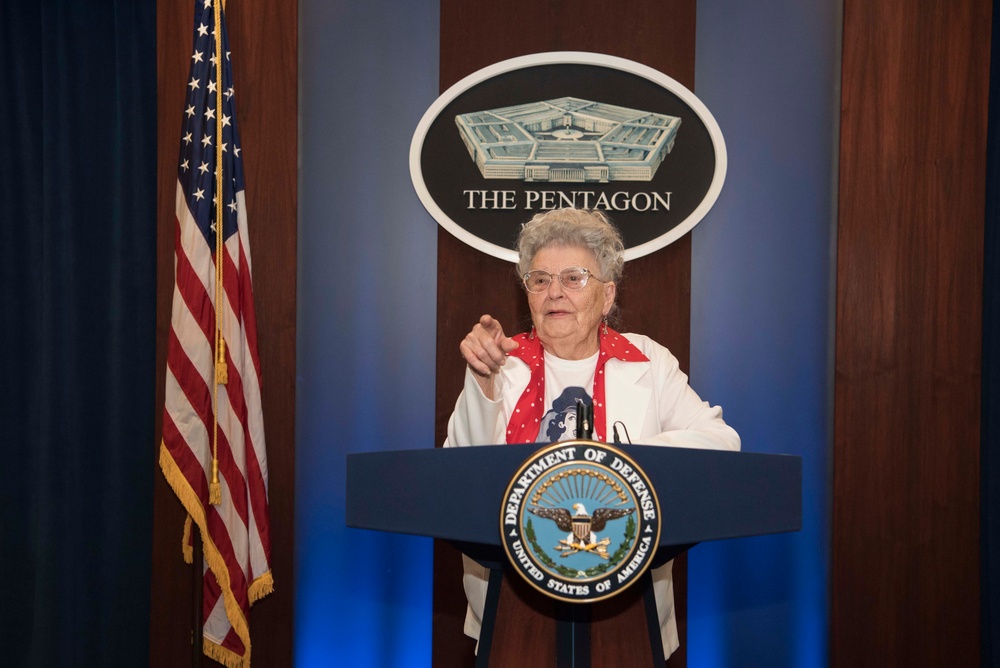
[(485, 350)]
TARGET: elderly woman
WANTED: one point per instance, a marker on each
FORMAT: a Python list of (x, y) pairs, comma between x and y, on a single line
[(570, 262)]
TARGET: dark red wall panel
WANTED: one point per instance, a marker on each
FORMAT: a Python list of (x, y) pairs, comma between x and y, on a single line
[(905, 543), (475, 34)]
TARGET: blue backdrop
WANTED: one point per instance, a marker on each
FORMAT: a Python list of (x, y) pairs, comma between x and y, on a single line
[(761, 321), (367, 288), (367, 270)]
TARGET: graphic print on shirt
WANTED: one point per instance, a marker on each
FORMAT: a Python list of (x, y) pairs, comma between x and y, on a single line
[(559, 422)]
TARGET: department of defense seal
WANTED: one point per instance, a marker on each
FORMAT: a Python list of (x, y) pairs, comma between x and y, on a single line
[(580, 521)]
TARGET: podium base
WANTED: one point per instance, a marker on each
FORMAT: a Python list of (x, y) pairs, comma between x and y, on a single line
[(522, 627)]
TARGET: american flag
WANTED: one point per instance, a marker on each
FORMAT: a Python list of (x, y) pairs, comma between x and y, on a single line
[(198, 412)]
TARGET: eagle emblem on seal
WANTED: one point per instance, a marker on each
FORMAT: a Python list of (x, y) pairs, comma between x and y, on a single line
[(582, 527)]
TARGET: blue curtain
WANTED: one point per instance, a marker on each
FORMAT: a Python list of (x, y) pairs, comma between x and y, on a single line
[(990, 458), (77, 330)]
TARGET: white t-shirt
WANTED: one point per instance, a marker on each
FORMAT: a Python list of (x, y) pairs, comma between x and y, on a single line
[(565, 382)]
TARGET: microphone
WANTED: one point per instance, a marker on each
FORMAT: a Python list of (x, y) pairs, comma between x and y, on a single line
[(584, 420), (614, 430)]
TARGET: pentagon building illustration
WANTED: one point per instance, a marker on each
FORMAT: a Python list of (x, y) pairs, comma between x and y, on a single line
[(568, 140)]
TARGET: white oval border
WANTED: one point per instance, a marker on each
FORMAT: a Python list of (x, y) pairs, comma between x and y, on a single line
[(569, 58)]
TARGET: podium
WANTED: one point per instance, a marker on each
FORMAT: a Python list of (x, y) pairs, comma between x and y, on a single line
[(456, 494)]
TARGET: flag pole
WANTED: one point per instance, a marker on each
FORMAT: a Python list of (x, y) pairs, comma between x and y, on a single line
[(221, 375), (197, 623), (221, 372)]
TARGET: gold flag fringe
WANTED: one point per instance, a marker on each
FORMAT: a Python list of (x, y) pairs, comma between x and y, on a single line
[(224, 656), (259, 588), (187, 549)]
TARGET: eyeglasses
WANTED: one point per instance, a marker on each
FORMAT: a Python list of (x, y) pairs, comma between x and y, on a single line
[(571, 278)]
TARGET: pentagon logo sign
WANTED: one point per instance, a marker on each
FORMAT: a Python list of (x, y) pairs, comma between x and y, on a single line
[(567, 128), (568, 140), (580, 521)]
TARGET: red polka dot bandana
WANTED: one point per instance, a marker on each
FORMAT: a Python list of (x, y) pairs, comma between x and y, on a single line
[(524, 422)]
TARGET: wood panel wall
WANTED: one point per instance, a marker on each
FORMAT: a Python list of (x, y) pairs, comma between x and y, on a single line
[(905, 543), (655, 296), (264, 43)]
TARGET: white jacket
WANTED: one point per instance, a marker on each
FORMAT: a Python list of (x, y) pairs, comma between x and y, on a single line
[(653, 400)]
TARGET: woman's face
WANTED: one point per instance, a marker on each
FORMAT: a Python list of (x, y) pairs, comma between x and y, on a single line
[(566, 321)]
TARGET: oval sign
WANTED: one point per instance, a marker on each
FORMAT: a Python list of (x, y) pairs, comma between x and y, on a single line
[(567, 128), (580, 521)]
